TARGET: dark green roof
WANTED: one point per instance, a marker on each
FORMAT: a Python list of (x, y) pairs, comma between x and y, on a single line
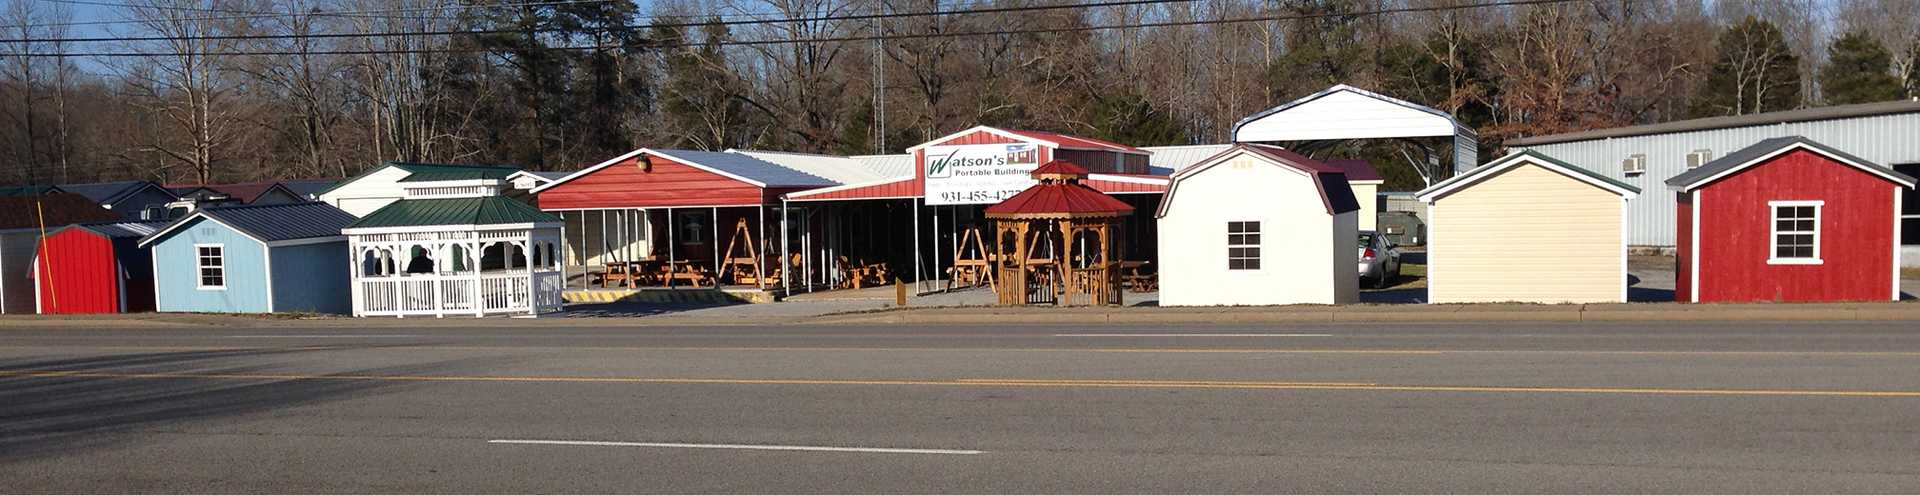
[(432, 171), (491, 210)]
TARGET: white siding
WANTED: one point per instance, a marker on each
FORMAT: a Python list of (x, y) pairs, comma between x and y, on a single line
[(1882, 139), (1307, 256), (368, 193)]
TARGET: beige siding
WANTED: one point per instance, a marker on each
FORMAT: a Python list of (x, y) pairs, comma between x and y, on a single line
[(1527, 234)]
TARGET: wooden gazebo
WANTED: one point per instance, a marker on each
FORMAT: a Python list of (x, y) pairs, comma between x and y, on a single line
[(1056, 242)]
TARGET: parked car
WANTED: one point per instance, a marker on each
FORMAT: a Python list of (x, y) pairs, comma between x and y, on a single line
[(1379, 259)]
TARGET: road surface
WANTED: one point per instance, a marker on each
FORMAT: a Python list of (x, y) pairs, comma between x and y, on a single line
[(1457, 408)]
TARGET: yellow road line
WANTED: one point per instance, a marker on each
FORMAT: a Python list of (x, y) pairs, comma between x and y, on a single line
[(992, 382)]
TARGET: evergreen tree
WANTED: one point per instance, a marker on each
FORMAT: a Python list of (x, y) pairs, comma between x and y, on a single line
[(1859, 70), (1754, 71), (700, 100)]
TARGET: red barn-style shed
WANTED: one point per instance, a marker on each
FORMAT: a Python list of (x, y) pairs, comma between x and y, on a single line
[(95, 268), (1788, 220)]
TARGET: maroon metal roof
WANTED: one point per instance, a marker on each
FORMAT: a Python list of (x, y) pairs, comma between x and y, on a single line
[(55, 209), (1069, 199), (1356, 169)]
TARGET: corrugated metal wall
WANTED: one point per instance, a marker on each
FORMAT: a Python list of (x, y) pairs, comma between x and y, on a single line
[(1884, 139)]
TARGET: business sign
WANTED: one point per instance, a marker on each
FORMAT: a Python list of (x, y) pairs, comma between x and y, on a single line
[(976, 174)]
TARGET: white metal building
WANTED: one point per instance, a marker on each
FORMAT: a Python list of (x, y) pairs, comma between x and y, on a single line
[(1258, 225), (1645, 155)]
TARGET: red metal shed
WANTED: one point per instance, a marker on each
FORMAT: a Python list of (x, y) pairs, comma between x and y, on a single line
[(1788, 220), (95, 268)]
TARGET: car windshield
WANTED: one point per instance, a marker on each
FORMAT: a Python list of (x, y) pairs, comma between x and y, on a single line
[(1366, 239)]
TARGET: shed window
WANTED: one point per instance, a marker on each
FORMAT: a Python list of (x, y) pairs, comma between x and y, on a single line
[(1796, 232), (1243, 245), (212, 265)]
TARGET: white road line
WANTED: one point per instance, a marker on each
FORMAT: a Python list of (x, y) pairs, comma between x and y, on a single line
[(1193, 335), (325, 336), (726, 446)]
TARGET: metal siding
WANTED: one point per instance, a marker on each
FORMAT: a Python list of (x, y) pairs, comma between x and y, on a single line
[(312, 278), (1683, 261), (78, 274), (669, 184), (1882, 139), (1855, 243), (177, 276)]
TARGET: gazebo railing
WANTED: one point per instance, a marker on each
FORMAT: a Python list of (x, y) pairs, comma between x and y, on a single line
[(509, 292)]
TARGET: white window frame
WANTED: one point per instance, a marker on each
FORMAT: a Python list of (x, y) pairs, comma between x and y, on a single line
[(199, 277), (1773, 232), (1259, 255)]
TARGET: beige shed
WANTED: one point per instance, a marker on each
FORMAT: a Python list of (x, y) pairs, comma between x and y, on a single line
[(1527, 228)]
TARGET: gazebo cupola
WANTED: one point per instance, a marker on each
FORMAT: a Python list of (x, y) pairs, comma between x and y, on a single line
[(1056, 240)]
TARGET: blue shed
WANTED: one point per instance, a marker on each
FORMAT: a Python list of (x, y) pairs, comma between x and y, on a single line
[(253, 259)]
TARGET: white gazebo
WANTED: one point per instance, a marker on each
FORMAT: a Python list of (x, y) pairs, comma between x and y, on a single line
[(477, 255)]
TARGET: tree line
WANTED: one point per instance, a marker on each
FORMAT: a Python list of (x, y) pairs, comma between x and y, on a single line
[(237, 90)]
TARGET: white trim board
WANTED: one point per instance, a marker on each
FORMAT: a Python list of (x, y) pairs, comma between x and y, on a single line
[(1510, 161)]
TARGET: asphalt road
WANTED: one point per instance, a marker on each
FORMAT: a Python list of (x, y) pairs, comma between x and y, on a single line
[(1488, 408)]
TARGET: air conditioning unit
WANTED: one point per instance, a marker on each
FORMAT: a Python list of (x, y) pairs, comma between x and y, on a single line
[(1634, 165), (1698, 158)]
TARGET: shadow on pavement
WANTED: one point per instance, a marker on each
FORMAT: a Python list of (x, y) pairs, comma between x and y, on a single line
[(637, 309), (48, 415), (1638, 293)]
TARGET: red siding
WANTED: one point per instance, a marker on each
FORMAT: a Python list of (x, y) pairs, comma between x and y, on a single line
[(1856, 233), (668, 184), (1683, 254), (1118, 187), (77, 274), (904, 188)]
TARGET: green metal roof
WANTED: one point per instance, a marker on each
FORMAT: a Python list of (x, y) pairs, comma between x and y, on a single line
[(26, 191), (491, 210)]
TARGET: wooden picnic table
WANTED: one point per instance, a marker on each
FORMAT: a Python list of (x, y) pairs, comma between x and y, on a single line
[(1134, 275), (686, 270)]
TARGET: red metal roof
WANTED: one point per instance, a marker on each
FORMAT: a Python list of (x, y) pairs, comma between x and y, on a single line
[(1059, 167), (1060, 199)]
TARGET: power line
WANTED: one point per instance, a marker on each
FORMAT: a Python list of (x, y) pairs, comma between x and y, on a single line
[(885, 37), (366, 14), (826, 18)]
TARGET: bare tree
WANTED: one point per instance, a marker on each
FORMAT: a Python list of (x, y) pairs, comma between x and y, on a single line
[(190, 83)]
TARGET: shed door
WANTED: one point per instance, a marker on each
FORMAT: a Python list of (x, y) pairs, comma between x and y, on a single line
[(77, 274)]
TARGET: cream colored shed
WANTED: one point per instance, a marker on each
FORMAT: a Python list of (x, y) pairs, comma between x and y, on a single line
[(1527, 228)]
